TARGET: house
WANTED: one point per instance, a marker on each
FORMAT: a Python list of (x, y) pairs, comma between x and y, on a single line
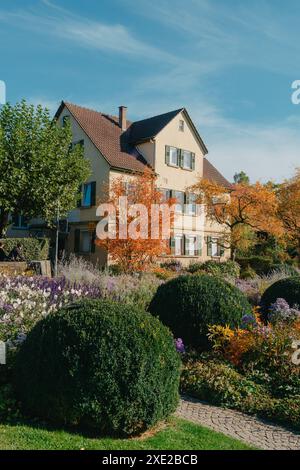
[(172, 146)]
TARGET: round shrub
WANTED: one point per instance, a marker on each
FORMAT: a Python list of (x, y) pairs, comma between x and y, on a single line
[(100, 365), (188, 304), (287, 289)]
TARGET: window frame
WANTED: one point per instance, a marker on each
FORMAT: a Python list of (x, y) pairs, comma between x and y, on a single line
[(20, 226), (175, 165)]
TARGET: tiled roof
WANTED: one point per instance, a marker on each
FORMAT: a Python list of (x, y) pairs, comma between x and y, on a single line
[(108, 137), (117, 146), (212, 174)]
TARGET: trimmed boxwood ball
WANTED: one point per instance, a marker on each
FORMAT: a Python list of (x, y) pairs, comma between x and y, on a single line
[(288, 289), (188, 304), (100, 365)]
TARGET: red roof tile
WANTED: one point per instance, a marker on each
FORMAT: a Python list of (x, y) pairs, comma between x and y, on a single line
[(212, 174), (108, 137)]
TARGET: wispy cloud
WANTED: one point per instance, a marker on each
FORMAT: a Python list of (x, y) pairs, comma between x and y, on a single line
[(252, 33), (97, 35)]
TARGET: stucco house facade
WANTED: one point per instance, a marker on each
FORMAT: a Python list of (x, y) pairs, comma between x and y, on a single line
[(171, 145)]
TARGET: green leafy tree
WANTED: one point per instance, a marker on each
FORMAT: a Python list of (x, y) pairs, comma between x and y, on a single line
[(241, 178), (40, 169)]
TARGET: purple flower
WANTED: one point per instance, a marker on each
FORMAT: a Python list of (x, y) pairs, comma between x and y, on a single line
[(248, 321), (280, 311), (179, 345)]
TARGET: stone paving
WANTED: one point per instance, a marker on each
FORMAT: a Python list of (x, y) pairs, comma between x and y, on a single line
[(249, 429)]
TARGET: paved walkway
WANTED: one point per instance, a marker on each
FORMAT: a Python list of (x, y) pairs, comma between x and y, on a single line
[(248, 429)]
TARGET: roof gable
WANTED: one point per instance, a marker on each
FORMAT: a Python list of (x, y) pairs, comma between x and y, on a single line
[(107, 136), (147, 129)]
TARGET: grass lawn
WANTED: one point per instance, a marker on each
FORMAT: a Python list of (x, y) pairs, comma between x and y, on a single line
[(176, 435)]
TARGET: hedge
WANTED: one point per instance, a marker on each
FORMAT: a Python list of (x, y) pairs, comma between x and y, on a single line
[(34, 249)]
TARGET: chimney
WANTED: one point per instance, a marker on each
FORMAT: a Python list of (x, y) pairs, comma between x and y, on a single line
[(122, 117)]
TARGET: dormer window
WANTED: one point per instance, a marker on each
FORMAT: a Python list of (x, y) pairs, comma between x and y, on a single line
[(181, 125)]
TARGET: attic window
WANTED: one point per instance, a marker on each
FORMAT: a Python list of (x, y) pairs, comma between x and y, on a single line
[(181, 125), (65, 120)]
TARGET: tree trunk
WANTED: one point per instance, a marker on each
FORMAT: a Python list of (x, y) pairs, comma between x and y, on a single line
[(3, 222)]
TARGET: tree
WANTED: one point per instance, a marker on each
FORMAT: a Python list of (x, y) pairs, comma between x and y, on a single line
[(241, 178), (40, 170), (289, 209), (243, 206), (137, 236)]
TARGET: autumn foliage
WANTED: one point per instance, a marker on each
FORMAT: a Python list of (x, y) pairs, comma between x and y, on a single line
[(289, 208), (142, 241), (240, 207)]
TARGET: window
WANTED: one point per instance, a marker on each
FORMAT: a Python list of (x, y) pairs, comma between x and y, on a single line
[(177, 245), (180, 158), (215, 248), (19, 221), (193, 245), (172, 156), (88, 195), (187, 160), (191, 205), (181, 125), (179, 205), (65, 120), (186, 245), (166, 195), (85, 242)]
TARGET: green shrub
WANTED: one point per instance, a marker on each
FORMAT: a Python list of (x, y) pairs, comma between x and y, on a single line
[(34, 249), (260, 264), (219, 384), (228, 268), (247, 273), (188, 304), (172, 265), (100, 365), (9, 409), (288, 289), (195, 267)]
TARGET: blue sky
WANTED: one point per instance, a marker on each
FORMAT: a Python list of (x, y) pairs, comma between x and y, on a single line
[(231, 63)]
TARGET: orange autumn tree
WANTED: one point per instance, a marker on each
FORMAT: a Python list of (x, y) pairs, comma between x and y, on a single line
[(289, 209), (239, 209), (138, 233)]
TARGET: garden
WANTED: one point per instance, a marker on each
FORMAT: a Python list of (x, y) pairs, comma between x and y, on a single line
[(98, 359)]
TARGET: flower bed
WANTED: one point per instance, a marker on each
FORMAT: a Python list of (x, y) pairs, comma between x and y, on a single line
[(25, 300), (252, 368)]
